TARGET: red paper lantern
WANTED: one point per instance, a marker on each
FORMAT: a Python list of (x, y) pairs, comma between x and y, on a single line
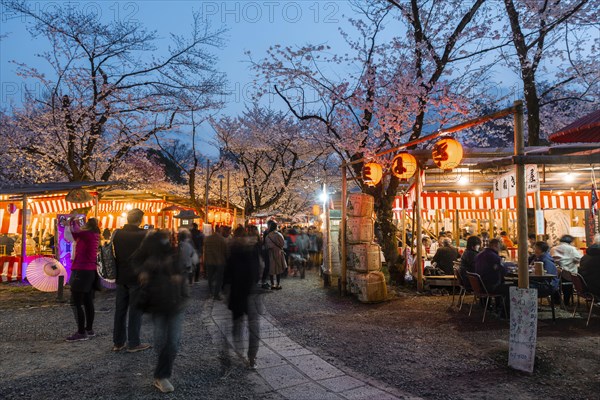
[(11, 208)]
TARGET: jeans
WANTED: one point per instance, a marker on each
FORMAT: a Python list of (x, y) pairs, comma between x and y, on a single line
[(253, 328), (83, 301), (167, 334), (127, 297), (214, 273)]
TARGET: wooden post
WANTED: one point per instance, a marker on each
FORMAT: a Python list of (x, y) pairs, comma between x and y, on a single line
[(24, 234), (343, 250), (457, 228), (417, 216), (521, 198), (492, 221)]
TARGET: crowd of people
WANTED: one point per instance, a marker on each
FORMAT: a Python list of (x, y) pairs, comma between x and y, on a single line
[(154, 270)]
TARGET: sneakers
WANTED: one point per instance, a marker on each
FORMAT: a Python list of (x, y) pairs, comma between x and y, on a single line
[(90, 333), (266, 285), (252, 364), (139, 347), (163, 385), (76, 337), (116, 347)]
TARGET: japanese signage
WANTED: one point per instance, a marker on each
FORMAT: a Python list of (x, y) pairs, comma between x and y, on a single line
[(506, 184), (523, 328)]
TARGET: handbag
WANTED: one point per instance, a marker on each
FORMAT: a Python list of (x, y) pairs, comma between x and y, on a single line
[(106, 262)]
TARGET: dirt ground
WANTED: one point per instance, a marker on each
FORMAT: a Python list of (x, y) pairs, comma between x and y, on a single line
[(417, 343), (423, 345)]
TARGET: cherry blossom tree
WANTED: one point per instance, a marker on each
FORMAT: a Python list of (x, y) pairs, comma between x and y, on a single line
[(556, 56), (386, 91), (270, 156), (109, 92)]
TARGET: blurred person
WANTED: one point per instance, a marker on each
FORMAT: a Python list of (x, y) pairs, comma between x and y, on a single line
[(303, 243), (467, 260), (242, 273), (187, 255), (164, 294), (8, 243), (426, 243), (215, 259), (128, 318), (274, 243), (31, 245), (83, 279), (445, 256), (589, 266), (485, 239), (265, 253), (106, 235), (531, 239), (313, 248), (506, 240), (198, 241)]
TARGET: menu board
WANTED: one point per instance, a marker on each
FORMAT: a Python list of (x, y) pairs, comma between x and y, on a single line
[(523, 328)]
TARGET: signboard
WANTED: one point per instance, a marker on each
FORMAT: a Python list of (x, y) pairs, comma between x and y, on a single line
[(506, 184), (523, 328), (539, 222)]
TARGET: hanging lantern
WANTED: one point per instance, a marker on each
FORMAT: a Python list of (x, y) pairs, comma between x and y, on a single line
[(211, 217), (447, 153), (404, 166), (12, 208), (372, 173), (316, 210)]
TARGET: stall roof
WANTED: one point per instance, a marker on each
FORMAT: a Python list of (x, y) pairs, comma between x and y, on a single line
[(35, 189), (586, 129)]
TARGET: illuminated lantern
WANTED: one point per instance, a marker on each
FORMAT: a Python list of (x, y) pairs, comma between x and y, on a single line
[(372, 173), (218, 217), (447, 153), (226, 217), (316, 210), (211, 217), (404, 166)]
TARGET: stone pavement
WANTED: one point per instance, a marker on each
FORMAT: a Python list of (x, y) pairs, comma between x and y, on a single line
[(287, 370)]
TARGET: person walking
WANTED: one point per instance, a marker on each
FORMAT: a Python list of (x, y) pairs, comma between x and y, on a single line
[(198, 242), (128, 318), (265, 253), (188, 258), (164, 294), (274, 243), (242, 275), (83, 276), (215, 259)]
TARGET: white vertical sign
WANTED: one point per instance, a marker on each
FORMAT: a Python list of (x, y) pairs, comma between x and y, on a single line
[(523, 328)]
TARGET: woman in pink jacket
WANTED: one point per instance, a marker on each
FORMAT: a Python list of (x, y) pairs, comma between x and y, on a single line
[(83, 276)]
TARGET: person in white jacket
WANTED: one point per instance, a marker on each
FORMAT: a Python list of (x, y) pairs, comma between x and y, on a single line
[(567, 257)]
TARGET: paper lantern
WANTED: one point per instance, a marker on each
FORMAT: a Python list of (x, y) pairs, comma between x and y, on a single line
[(316, 210), (447, 153), (218, 217), (372, 173), (404, 166), (211, 217), (12, 208)]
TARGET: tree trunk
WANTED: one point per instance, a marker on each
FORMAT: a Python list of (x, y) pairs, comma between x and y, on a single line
[(533, 109)]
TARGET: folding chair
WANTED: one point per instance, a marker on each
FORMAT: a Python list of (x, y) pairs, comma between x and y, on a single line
[(463, 289), (581, 290), (480, 292)]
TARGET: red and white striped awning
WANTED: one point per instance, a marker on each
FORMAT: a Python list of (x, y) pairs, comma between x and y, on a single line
[(118, 206), (113, 222), (9, 223), (56, 205), (485, 201), (429, 215)]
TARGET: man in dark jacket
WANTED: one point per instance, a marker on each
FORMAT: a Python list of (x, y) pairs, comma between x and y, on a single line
[(488, 265), (125, 242), (589, 267), (445, 256), (198, 241)]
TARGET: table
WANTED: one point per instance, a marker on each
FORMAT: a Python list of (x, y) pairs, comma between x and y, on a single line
[(514, 278)]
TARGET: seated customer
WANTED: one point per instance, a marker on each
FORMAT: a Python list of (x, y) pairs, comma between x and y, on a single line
[(589, 266), (445, 256), (489, 266), (546, 288), (467, 261)]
